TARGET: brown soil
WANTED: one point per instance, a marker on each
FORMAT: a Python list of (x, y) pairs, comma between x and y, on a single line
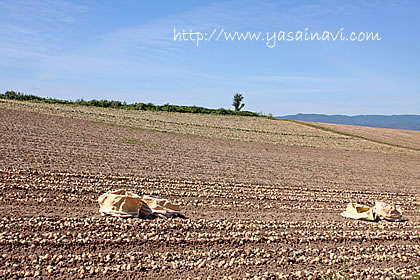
[(399, 137), (254, 208), (249, 129)]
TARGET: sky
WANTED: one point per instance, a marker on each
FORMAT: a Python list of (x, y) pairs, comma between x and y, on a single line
[(129, 51)]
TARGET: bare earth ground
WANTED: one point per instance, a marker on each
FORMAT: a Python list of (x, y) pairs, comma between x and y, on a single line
[(399, 137), (262, 197)]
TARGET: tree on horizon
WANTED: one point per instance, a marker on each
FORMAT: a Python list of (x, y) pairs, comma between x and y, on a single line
[(237, 101)]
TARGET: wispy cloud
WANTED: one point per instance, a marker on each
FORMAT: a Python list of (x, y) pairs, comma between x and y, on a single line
[(50, 44), (45, 31), (37, 27), (40, 33)]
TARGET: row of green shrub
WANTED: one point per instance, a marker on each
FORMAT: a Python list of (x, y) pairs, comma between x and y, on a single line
[(123, 105)]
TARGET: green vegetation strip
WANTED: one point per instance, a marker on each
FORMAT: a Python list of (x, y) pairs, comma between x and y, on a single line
[(12, 95), (350, 135)]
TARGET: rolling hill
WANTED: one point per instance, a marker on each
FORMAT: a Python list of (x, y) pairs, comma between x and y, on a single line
[(259, 194)]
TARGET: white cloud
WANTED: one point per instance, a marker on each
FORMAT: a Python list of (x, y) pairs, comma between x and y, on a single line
[(30, 29)]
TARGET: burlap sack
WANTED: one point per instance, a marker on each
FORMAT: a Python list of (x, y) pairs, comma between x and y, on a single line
[(119, 203), (359, 212), (387, 211)]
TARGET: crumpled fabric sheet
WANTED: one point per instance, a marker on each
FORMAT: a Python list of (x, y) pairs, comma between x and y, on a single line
[(119, 203), (160, 207), (380, 211), (122, 203)]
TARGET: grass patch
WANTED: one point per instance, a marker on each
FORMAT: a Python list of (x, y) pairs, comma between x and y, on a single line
[(136, 141), (133, 141)]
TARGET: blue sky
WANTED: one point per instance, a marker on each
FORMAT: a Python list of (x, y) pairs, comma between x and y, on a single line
[(125, 50)]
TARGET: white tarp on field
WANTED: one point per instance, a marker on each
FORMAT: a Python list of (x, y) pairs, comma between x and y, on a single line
[(380, 211)]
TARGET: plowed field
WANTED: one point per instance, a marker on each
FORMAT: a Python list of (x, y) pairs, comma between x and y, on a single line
[(262, 197)]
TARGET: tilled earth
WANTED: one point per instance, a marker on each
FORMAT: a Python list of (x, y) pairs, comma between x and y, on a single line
[(254, 209), (398, 137)]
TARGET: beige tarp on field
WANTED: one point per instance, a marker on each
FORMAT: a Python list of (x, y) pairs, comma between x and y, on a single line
[(381, 210), (158, 206), (119, 203), (122, 203)]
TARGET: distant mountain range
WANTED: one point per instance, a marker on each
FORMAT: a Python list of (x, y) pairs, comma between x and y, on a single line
[(411, 122)]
